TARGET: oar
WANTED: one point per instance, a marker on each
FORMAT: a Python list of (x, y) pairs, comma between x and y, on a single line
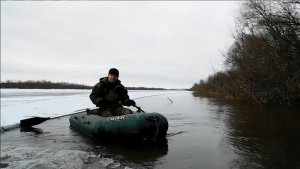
[(32, 121), (139, 108), (38, 120)]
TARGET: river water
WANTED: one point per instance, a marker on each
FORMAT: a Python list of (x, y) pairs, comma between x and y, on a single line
[(204, 133)]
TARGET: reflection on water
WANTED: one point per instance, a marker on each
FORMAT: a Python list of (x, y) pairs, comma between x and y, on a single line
[(57, 135), (262, 136), (133, 154), (31, 129), (137, 156)]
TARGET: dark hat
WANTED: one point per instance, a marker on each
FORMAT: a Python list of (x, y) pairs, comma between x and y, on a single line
[(113, 71)]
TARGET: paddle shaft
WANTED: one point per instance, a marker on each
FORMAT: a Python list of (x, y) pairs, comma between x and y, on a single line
[(139, 108), (38, 120)]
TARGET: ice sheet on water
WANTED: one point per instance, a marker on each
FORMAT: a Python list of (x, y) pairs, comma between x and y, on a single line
[(45, 158), (33, 157), (9, 93), (139, 94), (18, 104)]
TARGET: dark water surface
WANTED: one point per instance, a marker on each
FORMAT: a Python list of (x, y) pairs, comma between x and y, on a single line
[(203, 134)]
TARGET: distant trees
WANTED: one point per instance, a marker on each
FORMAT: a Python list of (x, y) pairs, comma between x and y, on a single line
[(42, 85), (263, 64)]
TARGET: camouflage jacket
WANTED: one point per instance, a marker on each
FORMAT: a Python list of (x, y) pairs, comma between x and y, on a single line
[(105, 94)]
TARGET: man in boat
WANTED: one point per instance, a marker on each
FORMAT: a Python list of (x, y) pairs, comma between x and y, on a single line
[(110, 96)]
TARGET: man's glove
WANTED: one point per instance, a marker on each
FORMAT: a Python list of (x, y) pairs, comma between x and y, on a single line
[(130, 103)]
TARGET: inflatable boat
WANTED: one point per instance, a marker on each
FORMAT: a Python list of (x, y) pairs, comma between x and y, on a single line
[(136, 126)]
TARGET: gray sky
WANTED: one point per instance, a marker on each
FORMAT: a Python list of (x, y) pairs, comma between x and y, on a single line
[(169, 44)]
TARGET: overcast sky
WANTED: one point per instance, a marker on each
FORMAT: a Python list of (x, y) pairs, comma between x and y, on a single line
[(169, 44)]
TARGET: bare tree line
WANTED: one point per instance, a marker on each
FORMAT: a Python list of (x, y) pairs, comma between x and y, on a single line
[(43, 84), (263, 64)]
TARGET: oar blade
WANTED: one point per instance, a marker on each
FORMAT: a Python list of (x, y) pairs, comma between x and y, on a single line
[(33, 121)]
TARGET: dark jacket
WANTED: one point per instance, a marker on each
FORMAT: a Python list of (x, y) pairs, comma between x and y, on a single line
[(105, 94)]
